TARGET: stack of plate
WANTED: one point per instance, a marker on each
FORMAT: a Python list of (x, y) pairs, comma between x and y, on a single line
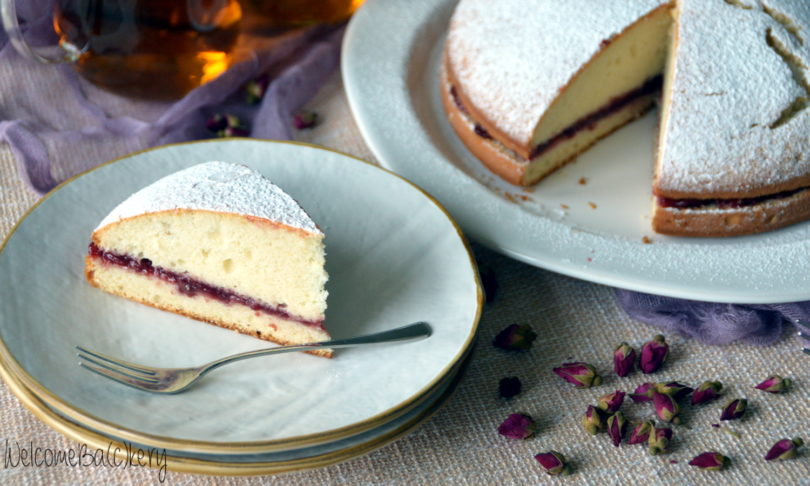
[(394, 256)]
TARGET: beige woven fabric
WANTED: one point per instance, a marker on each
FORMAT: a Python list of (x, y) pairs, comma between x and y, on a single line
[(460, 444)]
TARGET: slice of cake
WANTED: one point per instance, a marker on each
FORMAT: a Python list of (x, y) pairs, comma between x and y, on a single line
[(220, 243), (528, 85)]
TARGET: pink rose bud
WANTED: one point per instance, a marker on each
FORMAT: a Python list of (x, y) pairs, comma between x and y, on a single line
[(509, 387), (653, 354), (305, 119), (710, 461), (784, 449), (674, 389), (706, 392), (666, 408), (553, 463), (624, 357), (578, 373), (516, 337), (233, 132), (226, 126), (611, 402), (643, 393), (488, 280), (775, 384), (594, 420), (256, 89), (616, 427), (641, 432), (216, 122), (659, 441), (734, 410), (518, 426)]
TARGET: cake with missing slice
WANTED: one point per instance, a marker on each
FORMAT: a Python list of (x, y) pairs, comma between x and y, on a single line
[(530, 84), (220, 243)]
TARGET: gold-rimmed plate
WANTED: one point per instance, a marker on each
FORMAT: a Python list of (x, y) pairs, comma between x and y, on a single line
[(393, 255), (268, 463)]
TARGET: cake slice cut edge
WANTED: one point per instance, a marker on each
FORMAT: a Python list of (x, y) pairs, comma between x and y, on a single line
[(239, 271)]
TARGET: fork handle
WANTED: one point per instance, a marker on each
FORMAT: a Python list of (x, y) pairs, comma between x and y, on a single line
[(411, 332)]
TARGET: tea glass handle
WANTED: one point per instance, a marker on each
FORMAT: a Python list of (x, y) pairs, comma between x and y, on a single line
[(65, 52)]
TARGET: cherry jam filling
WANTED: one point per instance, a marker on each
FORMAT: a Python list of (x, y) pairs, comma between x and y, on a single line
[(190, 287), (587, 122), (723, 203)]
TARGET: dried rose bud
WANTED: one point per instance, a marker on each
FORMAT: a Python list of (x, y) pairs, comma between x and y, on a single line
[(784, 449), (305, 119), (553, 463), (710, 461), (216, 123), (653, 354), (616, 427), (255, 89), (706, 392), (233, 132), (226, 126), (659, 441), (775, 384), (611, 402), (666, 408), (641, 432), (734, 410), (643, 393), (509, 386), (516, 337), (578, 373), (488, 281), (594, 420), (674, 389), (624, 357), (518, 426)]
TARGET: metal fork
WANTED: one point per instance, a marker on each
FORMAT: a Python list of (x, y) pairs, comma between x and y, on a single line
[(175, 380)]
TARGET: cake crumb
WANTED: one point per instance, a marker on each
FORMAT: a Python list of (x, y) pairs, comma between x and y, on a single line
[(583, 181), (589, 259), (522, 197), (646, 240), (564, 206), (509, 197), (592, 205)]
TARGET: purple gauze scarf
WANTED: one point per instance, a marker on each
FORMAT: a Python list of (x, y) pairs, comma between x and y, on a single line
[(58, 125)]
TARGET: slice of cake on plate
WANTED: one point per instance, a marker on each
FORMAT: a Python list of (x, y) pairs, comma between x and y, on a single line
[(220, 243)]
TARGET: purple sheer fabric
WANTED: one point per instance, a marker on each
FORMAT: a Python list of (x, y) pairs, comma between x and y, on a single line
[(718, 324), (58, 125)]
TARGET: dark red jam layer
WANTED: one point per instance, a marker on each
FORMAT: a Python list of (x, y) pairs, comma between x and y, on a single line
[(587, 122), (191, 287), (723, 203)]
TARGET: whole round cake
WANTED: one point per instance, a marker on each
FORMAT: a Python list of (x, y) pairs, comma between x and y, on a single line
[(530, 84), (220, 243)]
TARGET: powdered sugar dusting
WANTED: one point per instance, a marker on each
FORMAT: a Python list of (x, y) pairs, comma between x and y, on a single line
[(729, 88), (507, 54), (216, 186)]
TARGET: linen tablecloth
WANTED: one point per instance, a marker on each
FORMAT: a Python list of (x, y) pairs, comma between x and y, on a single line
[(575, 320)]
